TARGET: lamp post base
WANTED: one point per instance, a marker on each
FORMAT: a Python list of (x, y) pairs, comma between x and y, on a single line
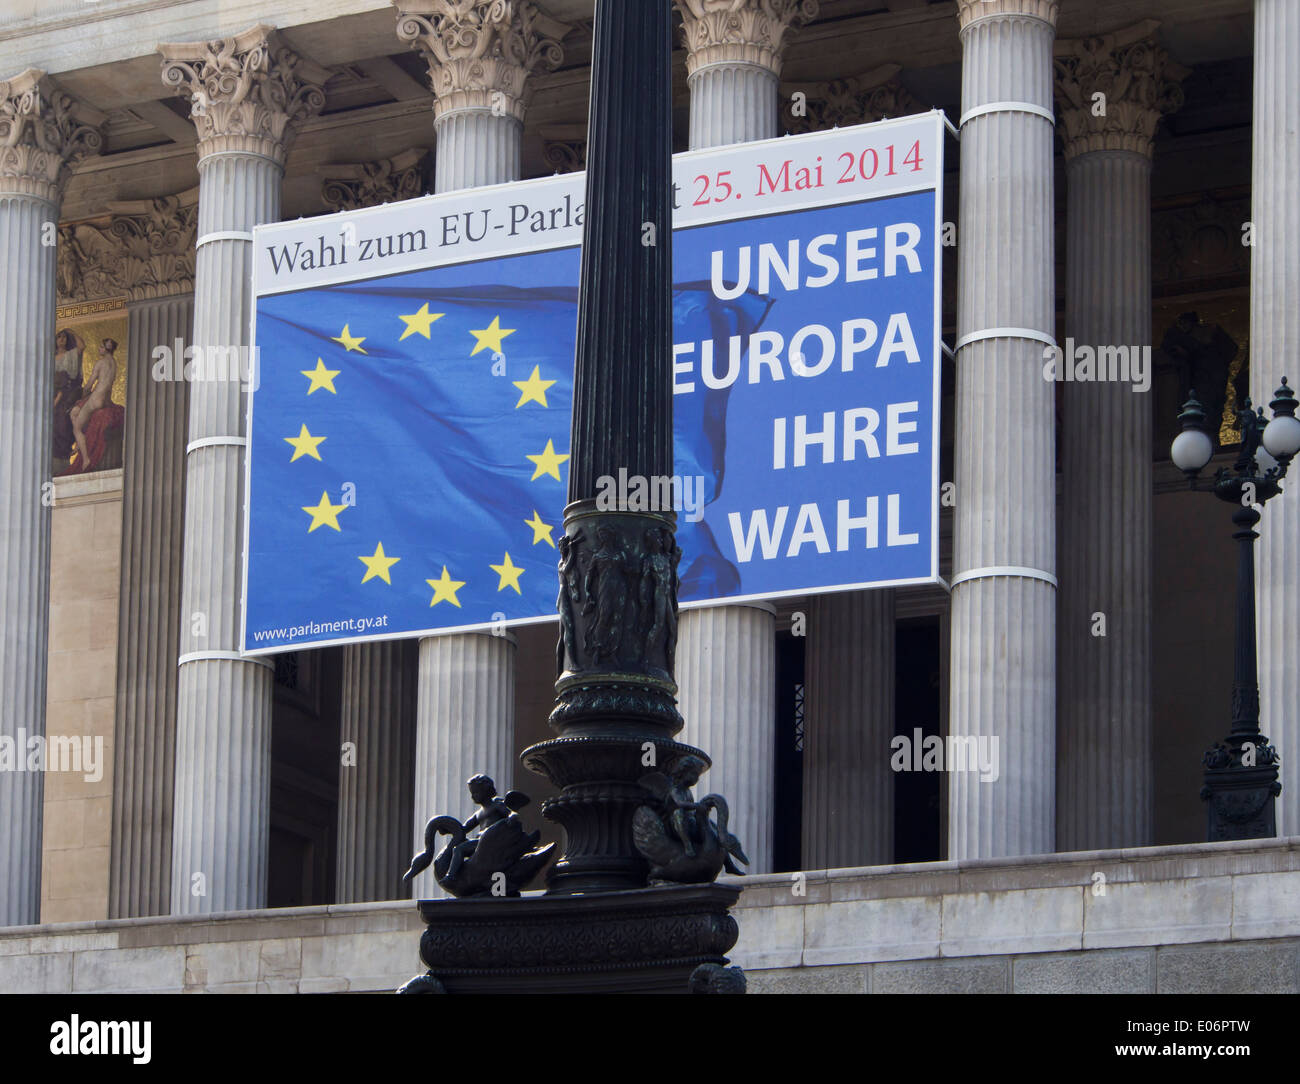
[(669, 940), (1239, 802)]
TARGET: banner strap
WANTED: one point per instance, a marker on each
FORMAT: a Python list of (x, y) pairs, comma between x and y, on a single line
[(1010, 571), (1005, 333), (223, 235), (1008, 107), (216, 442), (221, 656)]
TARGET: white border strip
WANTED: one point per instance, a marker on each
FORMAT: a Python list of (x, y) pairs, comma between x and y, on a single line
[(1008, 107), (1005, 333), (224, 235), (221, 656), (216, 442), (1004, 570)]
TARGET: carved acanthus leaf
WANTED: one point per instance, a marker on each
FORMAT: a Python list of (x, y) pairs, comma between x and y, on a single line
[(740, 31), (249, 93), (43, 132), (369, 184), (143, 249), (481, 52), (1114, 89), (838, 103)]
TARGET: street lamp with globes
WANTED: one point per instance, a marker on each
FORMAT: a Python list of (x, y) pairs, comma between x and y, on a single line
[(1241, 772)]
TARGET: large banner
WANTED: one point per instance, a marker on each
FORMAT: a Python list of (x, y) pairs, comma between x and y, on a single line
[(409, 423)]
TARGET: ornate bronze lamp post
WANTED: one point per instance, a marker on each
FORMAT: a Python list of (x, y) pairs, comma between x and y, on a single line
[(1241, 772), (630, 903)]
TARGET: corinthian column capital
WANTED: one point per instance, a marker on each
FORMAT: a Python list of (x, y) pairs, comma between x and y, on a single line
[(481, 52), (969, 11), (740, 31), (43, 132), (857, 99), (249, 92), (1114, 89), (157, 242), (351, 186), (143, 249)]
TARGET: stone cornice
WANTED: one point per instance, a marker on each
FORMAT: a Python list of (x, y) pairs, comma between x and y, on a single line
[(1138, 79), (248, 93), (142, 249), (43, 132), (858, 99), (349, 187), (740, 31), (969, 11), (481, 52)]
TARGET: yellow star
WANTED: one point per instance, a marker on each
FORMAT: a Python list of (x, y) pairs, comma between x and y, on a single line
[(324, 514), (489, 338), (533, 389), (547, 463), (321, 377), (305, 444), (541, 531), (509, 574), (420, 322), (378, 565), (350, 342), (445, 588)]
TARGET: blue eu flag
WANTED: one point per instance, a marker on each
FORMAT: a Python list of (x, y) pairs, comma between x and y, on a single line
[(410, 445)]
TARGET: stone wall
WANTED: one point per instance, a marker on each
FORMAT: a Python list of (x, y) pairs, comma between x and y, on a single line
[(1202, 918), (85, 564)]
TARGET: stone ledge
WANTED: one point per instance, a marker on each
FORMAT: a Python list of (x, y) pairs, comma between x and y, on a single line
[(94, 488), (1222, 916)]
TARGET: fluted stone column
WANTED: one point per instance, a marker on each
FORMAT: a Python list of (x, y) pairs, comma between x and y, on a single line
[(1104, 768), (733, 61), (464, 725), (726, 666), (42, 132), (376, 777), (249, 93), (1004, 547), (480, 54), (1274, 353), (733, 65), (159, 236), (848, 814)]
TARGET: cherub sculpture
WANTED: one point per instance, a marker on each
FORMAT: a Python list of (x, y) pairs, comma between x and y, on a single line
[(676, 834), (500, 861)]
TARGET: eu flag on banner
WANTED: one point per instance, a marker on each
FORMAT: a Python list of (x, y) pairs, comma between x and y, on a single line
[(411, 436)]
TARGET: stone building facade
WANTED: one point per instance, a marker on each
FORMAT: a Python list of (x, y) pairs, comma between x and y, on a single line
[(1120, 175)]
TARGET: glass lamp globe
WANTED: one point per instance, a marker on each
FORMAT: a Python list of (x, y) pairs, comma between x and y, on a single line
[(1263, 461), (1282, 435), (1191, 451)]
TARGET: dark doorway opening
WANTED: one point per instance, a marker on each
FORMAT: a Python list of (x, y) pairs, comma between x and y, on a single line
[(917, 709), (788, 814)]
